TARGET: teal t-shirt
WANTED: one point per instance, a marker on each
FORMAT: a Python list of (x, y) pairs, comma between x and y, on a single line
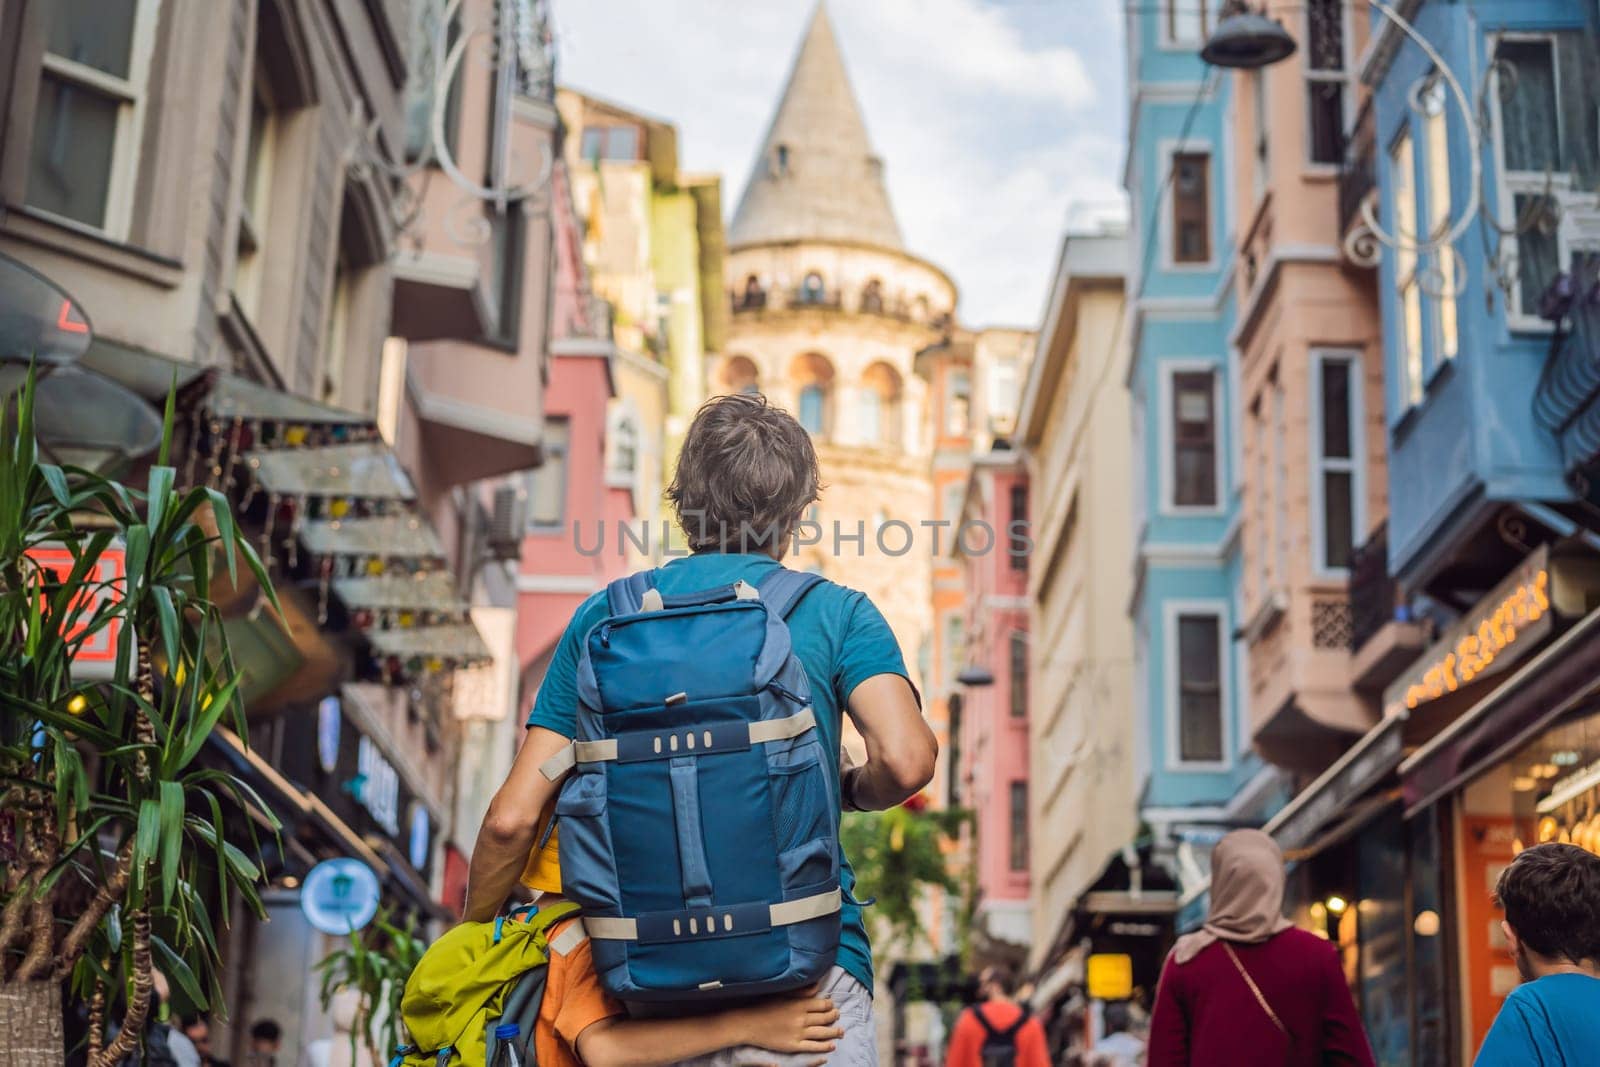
[(1551, 1022), (840, 638)]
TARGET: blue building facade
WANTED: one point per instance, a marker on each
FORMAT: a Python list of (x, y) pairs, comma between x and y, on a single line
[(1200, 775), (1480, 410)]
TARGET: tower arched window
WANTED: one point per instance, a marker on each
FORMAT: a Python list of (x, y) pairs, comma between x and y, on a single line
[(812, 291), (879, 407), (811, 379), (739, 375)]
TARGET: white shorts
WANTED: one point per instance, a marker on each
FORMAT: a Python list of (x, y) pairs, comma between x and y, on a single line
[(857, 1048)]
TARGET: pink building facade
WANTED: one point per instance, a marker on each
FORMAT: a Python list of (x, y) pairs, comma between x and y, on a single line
[(989, 727)]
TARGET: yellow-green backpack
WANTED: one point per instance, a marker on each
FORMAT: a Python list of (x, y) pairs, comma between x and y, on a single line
[(476, 978)]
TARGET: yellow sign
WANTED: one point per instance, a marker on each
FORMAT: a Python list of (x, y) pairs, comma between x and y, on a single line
[(1109, 976), (1508, 621)]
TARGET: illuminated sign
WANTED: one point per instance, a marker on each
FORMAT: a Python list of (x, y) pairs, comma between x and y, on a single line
[(1109, 976), (105, 583), (379, 786), (1488, 639), (340, 896)]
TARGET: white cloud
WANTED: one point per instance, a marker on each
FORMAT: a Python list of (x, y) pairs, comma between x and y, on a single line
[(992, 117)]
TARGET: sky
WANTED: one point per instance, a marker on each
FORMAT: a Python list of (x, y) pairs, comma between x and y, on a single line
[(993, 117)]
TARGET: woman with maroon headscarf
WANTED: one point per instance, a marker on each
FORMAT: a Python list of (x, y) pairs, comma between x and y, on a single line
[(1248, 989)]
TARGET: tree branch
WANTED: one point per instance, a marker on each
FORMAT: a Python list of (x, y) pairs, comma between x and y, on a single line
[(11, 926), (133, 1019), (109, 893)]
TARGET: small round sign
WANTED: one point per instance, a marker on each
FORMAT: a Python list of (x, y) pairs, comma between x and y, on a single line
[(340, 896), (421, 835), (330, 715)]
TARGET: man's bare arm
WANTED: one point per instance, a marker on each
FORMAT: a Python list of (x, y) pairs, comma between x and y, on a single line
[(901, 748), (511, 826)]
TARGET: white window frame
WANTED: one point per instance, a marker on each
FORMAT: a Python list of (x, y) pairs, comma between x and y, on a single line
[(1166, 151), (1343, 76), (1407, 270), (128, 136), (1168, 437), (1435, 166), (1171, 610), (1515, 183), (254, 219), (1355, 465), (1171, 43)]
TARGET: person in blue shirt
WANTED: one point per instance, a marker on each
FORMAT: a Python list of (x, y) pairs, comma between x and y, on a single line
[(1551, 897), (746, 474)]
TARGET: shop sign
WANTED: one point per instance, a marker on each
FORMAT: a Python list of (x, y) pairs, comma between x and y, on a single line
[(330, 717), (106, 582), (1109, 976), (1501, 629), (378, 788), (340, 896)]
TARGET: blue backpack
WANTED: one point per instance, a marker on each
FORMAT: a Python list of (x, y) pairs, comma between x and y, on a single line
[(700, 823)]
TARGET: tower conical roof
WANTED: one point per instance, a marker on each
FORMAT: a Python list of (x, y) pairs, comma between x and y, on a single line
[(816, 176)]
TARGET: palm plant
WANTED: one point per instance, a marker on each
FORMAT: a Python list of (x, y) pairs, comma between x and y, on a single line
[(115, 852), (374, 966)]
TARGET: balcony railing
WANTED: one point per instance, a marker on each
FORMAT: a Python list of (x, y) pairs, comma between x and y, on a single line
[(1372, 589), (1358, 174), (1569, 386)]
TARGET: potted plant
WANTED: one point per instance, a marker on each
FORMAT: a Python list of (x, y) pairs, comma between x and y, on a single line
[(114, 843)]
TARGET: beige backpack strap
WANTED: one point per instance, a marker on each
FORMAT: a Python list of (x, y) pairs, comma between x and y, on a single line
[(571, 936), (1261, 999)]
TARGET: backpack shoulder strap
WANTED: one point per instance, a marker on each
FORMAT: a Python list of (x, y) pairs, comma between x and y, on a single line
[(983, 1021), (625, 596), (782, 589), (1022, 1020)]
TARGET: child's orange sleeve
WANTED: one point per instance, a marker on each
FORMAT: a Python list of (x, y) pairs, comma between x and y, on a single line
[(574, 1000)]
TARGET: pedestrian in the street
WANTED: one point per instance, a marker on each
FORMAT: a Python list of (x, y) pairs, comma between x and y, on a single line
[(744, 467), (1551, 897), (266, 1041), (1248, 989), (197, 1028), (1117, 1047), (999, 1032)]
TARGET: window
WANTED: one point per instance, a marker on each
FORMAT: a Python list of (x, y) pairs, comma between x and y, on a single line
[(813, 407), (1326, 88), (1191, 207), (624, 445), (431, 42), (255, 198), (871, 413), (1541, 141), (620, 143), (1018, 521), (1194, 439), (953, 763), (872, 296), (547, 484), (780, 160), (1200, 725), (1403, 167), (958, 412), (1003, 396), (1436, 164), (86, 131), (1189, 21), (1019, 674), (507, 238), (1335, 444), (1019, 826), (336, 330), (1280, 481), (811, 289)]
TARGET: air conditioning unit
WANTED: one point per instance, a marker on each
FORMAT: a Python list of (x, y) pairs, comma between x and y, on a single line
[(508, 519)]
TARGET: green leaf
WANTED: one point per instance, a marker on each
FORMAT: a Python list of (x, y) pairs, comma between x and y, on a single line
[(253, 561), (161, 482), (177, 969), (240, 862), (56, 479), (167, 615), (171, 837), (137, 539), (201, 726), (167, 416), (227, 532)]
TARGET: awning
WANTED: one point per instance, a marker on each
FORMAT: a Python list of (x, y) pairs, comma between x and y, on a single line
[(236, 397), (1559, 678), (460, 643), (1366, 763), (385, 536), (366, 469), (426, 591), (1130, 902)]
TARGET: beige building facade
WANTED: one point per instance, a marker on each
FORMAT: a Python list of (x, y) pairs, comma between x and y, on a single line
[(1075, 427)]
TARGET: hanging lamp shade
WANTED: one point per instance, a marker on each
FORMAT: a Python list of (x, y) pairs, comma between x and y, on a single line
[(975, 677), (1247, 40)]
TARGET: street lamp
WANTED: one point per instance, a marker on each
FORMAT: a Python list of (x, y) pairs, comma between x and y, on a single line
[(1246, 39), (975, 676)]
